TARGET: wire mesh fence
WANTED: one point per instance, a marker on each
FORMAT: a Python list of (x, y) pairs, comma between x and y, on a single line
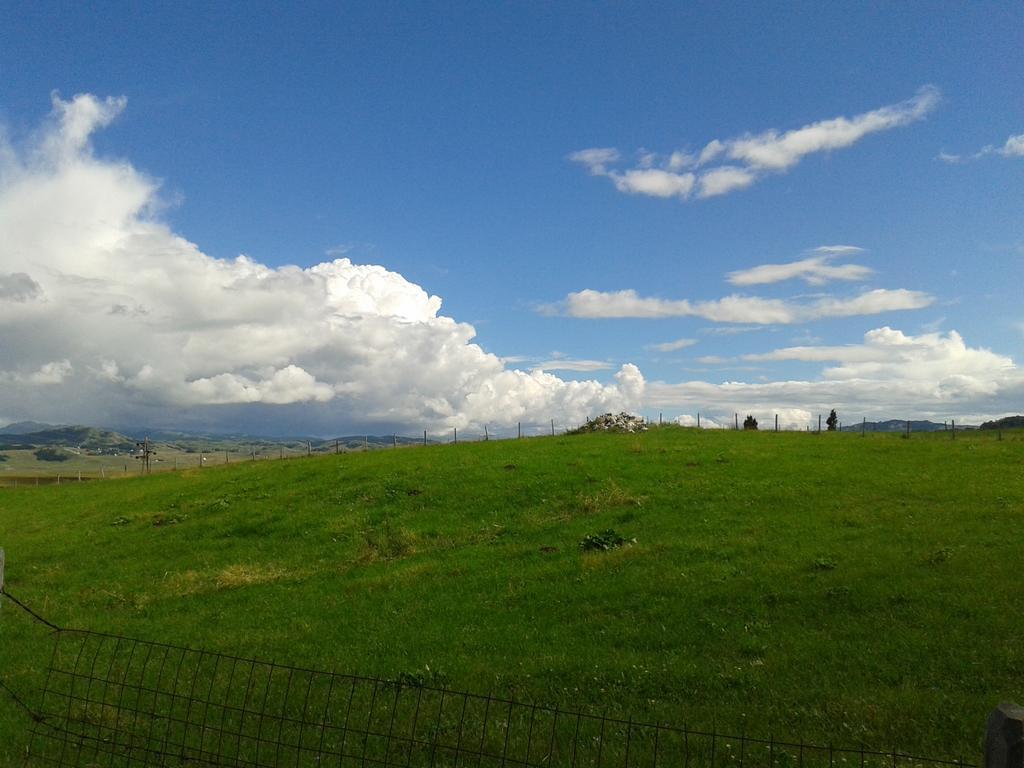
[(118, 702)]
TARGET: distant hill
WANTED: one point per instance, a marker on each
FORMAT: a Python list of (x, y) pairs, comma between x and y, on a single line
[(87, 438), (900, 425), (1007, 422), (25, 427)]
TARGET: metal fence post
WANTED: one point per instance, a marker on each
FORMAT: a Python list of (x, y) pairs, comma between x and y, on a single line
[(1004, 737)]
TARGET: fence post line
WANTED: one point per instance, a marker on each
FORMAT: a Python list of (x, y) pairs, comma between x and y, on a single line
[(863, 425), (736, 421), (1004, 737), (424, 437), (952, 435), (519, 429), (776, 422), (455, 434), (552, 427), (698, 419), (486, 435)]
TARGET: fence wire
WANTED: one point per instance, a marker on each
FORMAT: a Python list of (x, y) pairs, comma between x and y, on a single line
[(114, 702)]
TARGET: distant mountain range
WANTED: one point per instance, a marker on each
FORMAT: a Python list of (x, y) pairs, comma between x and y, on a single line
[(900, 425), (26, 427), (88, 438), (30, 435), (1007, 422)]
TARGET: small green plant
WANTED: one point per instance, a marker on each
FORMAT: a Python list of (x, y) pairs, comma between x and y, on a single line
[(824, 564), (602, 542)]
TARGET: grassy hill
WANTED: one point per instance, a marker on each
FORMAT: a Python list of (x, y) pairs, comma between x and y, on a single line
[(828, 587)]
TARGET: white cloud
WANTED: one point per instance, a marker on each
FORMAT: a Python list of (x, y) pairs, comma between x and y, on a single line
[(890, 375), (672, 346), (53, 372), (712, 360), (814, 270), (740, 309), (125, 320), (566, 364), (596, 159), (725, 179), (747, 158), (1013, 147), (654, 182)]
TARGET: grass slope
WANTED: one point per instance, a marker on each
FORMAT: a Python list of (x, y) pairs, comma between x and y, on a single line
[(826, 588)]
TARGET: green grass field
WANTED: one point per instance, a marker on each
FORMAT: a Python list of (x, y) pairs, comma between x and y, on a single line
[(827, 588)]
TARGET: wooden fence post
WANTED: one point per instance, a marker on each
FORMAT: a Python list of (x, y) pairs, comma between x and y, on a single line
[(552, 427), (1004, 737), (455, 433), (424, 437), (776, 422), (952, 435), (519, 429)]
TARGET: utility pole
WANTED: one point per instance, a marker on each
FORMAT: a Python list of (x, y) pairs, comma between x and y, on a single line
[(145, 452)]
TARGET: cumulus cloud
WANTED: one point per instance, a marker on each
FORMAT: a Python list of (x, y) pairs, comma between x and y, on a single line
[(813, 270), (102, 302), (745, 159), (891, 374), (1013, 147), (593, 304)]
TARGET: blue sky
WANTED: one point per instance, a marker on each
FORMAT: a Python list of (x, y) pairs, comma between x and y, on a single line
[(447, 144)]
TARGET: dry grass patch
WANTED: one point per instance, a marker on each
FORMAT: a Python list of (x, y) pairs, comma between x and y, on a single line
[(235, 576), (610, 496)]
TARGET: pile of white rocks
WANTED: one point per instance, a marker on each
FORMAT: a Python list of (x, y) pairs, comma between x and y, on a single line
[(615, 422)]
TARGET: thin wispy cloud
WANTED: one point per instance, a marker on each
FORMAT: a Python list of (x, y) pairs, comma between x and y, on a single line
[(740, 309), (813, 270), (672, 346), (1012, 147), (729, 165), (568, 364)]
